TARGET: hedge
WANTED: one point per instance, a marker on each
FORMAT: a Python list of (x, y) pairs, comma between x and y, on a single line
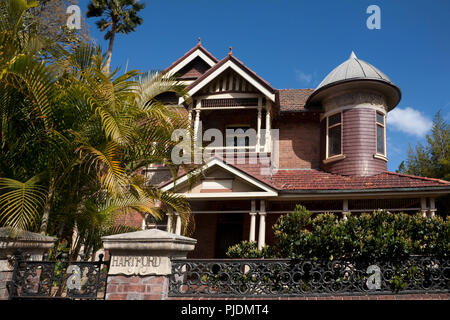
[(377, 235)]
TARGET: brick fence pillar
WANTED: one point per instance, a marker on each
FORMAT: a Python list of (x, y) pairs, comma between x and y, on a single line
[(140, 263), (32, 246)]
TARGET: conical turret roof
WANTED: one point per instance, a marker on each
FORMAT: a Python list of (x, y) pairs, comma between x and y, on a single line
[(357, 73), (352, 69)]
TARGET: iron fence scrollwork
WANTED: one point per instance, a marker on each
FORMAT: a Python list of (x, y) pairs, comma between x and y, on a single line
[(277, 277), (58, 279)]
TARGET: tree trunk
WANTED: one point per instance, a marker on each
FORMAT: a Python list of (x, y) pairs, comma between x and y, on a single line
[(110, 48), (46, 215)]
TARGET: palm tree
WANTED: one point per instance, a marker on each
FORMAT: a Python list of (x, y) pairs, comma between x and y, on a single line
[(124, 128), (79, 138), (27, 90), (118, 16)]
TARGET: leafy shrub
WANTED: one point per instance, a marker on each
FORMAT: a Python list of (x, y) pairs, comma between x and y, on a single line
[(292, 232), (377, 235), (249, 250)]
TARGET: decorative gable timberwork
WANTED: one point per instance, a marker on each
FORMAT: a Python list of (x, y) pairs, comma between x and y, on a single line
[(193, 70), (218, 180), (231, 75), (192, 64), (228, 81)]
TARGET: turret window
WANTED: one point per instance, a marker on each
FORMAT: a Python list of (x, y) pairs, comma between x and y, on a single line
[(381, 134), (334, 135)]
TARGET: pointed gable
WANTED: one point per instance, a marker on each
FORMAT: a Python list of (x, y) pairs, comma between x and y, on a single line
[(193, 69), (192, 64), (229, 81), (214, 78), (219, 179)]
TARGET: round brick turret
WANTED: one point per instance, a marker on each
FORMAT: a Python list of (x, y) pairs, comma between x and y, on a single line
[(355, 99)]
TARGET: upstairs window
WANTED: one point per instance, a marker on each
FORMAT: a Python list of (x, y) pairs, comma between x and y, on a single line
[(334, 135), (381, 134)]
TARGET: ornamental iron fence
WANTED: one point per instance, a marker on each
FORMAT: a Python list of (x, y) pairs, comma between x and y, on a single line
[(58, 279), (277, 277)]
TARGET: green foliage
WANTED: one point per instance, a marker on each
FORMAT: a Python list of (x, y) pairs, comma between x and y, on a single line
[(433, 159), (20, 202), (120, 15), (117, 16), (49, 21), (87, 134), (292, 232), (249, 250), (369, 236)]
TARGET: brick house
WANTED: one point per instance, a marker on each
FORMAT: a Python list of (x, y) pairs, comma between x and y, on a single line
[(330, 146)]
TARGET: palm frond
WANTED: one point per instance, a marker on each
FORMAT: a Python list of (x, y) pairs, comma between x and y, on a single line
[(106, 162), (20, 202), (35, 80)]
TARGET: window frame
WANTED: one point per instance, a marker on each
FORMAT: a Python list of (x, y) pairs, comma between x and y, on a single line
[(383, 125), (341, 123)]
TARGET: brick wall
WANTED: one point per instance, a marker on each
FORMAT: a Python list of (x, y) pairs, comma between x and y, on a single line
[(299, 143), (271, 219), (205, 233), (137, 287), (5, 276), (359, 145), (132, 219)]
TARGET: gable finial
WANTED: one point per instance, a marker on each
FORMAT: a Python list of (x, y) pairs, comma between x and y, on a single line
[(199, 41), (231, 50), (353, 55)]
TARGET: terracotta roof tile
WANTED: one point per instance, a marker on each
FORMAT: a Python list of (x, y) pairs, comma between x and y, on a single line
[(313, 179), (292, 100)]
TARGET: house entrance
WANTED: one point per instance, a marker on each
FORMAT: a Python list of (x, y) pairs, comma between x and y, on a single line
[(229, 232)]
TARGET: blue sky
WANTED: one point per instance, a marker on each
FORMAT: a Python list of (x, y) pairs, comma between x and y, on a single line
[(296, 43)]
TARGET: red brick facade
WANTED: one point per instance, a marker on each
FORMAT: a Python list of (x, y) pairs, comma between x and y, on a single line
[(354, 181), (137, 287), (299, 142), (359, 145), (133, 219)]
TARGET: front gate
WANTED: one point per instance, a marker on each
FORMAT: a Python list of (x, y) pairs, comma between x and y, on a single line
[(58, 279)]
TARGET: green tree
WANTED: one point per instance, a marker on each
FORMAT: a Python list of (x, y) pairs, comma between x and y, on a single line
[(74, 139), (49, 21), (433, 159), (363, 237), (118, 16)]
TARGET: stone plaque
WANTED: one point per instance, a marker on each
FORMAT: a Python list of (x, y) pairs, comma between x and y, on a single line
[(140, 265)]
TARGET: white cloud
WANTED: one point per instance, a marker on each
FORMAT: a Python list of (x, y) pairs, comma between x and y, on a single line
[(409, 121), (303, 77), (393, 147)]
